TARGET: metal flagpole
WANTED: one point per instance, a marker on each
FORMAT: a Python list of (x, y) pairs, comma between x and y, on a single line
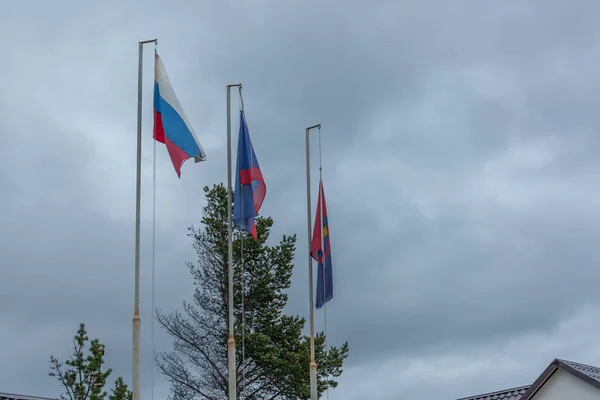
[(313, 363), (138, 185), (231, 341)]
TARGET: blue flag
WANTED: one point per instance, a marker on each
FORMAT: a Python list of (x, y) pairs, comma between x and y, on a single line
[(250, 188)]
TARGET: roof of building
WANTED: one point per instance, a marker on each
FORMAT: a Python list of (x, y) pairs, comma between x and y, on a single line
[(507, 394), (12, 396), (592, 372), (584, 372)]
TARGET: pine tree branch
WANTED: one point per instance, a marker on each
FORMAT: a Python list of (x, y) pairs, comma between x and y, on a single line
[(185, 382), (277, 394), (61, 378), (174, 332), (259, 388), (248, 364), (77, 352)]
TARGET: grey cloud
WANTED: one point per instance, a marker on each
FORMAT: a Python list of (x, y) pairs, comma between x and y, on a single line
[(459, 165)]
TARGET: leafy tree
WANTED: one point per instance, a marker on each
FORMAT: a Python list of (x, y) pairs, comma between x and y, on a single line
[(82, 376), (272, 353)]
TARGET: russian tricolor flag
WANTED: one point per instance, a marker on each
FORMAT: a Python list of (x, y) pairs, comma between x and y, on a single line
[(171, 125)]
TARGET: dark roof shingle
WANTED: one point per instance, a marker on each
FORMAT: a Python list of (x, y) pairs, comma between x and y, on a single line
[(508, 394)]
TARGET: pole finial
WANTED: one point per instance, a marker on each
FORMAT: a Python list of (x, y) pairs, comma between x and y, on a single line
[(241, 98)]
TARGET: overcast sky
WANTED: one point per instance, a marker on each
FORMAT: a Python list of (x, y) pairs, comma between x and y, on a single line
[(461, 146)]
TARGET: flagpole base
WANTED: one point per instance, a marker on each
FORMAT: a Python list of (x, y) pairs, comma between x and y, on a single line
[(232, 374), (313, 381), (136, 389)]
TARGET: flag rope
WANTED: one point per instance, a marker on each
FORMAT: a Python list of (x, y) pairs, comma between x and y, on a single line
[(323, 247), (243, 286), (243, 366), (153, 263), (153, 255)]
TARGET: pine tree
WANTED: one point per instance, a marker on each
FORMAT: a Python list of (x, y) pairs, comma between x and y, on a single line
[(82, 377), (272, 353)]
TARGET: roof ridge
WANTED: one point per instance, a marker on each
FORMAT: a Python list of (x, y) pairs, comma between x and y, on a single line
[(576, 363), (495, 392)]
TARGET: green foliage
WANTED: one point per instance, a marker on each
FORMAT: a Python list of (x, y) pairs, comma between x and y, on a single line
[(273, 355), (82, 376)]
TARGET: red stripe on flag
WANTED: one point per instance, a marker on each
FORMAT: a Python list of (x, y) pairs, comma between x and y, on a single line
[(249, 175), (159, 130), (315, 245), (178, 156), (253, 231)]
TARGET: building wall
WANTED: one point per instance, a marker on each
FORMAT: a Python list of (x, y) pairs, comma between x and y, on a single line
[(564, 386), (12, 396)]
